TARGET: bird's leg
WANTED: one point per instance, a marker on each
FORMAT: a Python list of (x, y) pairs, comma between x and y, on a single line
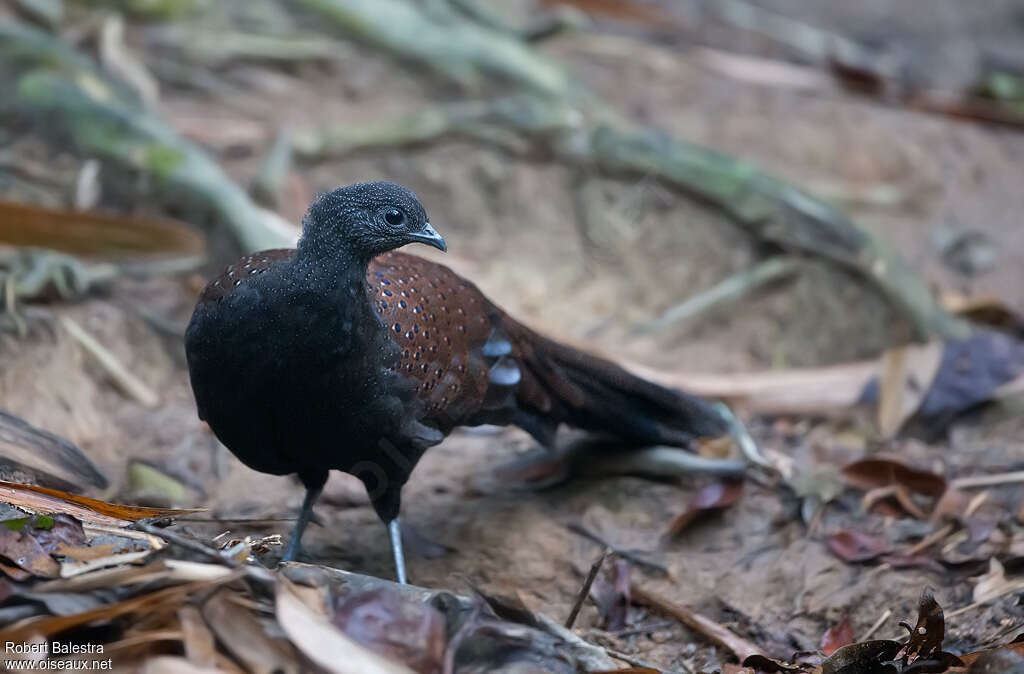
[(395, 532), (314, 485)]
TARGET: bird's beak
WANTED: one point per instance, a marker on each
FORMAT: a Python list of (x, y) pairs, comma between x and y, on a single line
[(429, 236)]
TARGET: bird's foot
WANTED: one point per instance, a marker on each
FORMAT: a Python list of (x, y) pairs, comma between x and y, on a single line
[(293, 551)]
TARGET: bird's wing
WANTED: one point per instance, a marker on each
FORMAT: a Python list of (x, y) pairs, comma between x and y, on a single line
[(441, 324), (472, 363)]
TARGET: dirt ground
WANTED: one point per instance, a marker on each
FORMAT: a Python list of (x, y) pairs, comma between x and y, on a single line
[(513, 228)]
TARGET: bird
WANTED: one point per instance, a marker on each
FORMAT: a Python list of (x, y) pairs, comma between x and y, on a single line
[(346, 354)]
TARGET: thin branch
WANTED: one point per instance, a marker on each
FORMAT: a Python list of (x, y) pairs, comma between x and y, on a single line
[(187, 543), (585, 590)]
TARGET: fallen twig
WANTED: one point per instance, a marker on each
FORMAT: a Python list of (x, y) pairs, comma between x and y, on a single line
[(929, 540), (126, 380), (578, 528), (877, 624), (187, 543), (585, 590), (635, 662), (996, 480), (717, 633)]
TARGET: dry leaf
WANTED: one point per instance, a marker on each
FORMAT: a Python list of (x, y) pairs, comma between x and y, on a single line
[(612, 596), (323, 643), (995, 584), (926, 637), (71, 569), (13, 572), (46, 456), (837, 636), (94, 234), (906, 374), (889, 482), (854, 546), (709, 498), (63, 530), (200, 647), (860, 657), (984, 309), (386, 622), (24, 551), (1015, 647), (169, 664), (82, 508), (880, 472), (245, 636), (166, 599), (762, 663), (86, 553)]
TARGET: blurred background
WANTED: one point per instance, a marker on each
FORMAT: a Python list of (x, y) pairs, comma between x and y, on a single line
[(731, 195)]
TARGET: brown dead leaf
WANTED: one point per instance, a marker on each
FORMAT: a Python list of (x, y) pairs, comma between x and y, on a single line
[(63, 530), (730, 668), (952, 506), (82, 508), (762, 663), (24, 551), (71, 569), (612, 596), (246, 637), (85, 553), (926, 636), (166, 599), (709, 498), (970, 659), (855, 547), (984, 309), (387, 623), (837, 636), (94, 234), (906, 374), (200, 648), (995, 584), (49, 458), (868, 657), (882, 472), (323, 643), (171, 664), (13, 572)]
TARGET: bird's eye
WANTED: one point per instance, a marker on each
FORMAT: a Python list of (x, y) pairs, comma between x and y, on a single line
[(394, 217)]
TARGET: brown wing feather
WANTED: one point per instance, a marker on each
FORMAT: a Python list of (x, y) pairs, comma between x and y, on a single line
[(440, 321)]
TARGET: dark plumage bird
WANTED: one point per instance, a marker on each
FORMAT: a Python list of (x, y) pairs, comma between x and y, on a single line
[(345, 355)]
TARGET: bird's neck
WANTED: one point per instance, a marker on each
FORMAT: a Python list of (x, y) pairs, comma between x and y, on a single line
[(327, 270)]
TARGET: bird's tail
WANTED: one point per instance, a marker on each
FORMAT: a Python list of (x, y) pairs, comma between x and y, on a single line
[(567, 385)]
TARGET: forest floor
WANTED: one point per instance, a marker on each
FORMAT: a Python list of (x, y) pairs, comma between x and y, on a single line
[(919, 180)]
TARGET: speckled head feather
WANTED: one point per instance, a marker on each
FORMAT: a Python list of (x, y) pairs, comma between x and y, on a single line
[(365, 219)]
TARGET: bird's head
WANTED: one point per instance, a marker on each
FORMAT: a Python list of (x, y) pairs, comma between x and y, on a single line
[(366, 219)]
